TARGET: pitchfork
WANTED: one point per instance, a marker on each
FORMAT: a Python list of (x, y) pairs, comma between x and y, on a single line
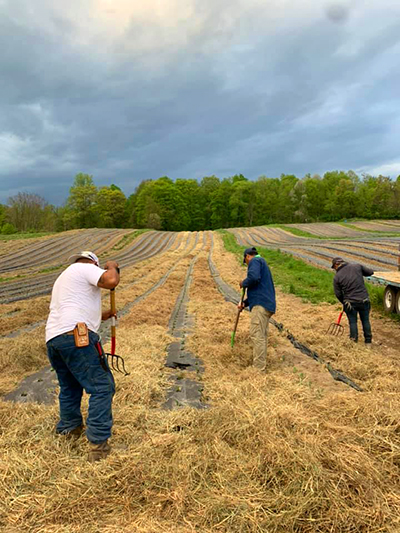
[(237, 319), (336, 328), (113, 359)]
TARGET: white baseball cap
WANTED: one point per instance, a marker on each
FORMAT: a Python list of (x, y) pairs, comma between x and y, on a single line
[(85, 254)]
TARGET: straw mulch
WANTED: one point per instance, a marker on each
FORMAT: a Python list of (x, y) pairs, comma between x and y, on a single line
[(277, 452), (375, 369), (17, 315), (25, 353)]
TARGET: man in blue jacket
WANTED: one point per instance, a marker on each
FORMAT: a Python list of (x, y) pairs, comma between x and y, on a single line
[(261, 301)]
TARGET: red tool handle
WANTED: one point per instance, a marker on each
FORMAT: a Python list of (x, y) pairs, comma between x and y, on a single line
[(113, 321), (340, 318)]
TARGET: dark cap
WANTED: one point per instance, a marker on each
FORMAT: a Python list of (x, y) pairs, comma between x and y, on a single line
[(249, 251), (337, 261)]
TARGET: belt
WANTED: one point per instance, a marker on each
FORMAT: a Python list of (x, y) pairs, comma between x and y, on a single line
[(72, 332)]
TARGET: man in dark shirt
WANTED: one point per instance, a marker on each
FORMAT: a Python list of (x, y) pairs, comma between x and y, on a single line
[(261, 301), (350, 290)]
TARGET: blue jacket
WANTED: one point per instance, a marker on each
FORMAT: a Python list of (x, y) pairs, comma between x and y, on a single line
[(259, 285)]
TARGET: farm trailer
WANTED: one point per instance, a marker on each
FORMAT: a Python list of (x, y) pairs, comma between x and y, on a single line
[(391, 280), (391, 297)]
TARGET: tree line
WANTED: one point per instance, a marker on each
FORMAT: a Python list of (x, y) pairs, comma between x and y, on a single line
[(211, 203)]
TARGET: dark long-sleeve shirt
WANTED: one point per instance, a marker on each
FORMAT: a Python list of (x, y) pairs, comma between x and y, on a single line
[(259, 285), (348, 282)]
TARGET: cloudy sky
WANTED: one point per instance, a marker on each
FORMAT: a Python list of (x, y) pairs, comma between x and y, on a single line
[(127, 90)]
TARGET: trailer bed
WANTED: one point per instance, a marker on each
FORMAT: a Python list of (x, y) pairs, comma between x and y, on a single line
[(387, 278)]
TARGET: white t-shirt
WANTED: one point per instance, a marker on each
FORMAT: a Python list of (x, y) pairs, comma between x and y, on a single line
[(75, 298)]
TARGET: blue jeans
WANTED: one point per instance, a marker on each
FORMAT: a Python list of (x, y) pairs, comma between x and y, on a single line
[(80, 369), (352, 311)]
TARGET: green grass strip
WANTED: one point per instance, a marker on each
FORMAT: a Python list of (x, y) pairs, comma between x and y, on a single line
[(388, 233), (12, 278), (126, 239), (51, 269), (297, 277), (301, 233)]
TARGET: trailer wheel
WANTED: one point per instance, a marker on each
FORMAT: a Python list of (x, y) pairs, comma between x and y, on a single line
[(389, 299), (397, 303)]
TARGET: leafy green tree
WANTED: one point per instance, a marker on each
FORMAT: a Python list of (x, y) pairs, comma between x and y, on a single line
[(3, 214), (300, 202), (143, 204), (49, 218), (154, 221), (287, 183), (219, 202), (132, 216), (8, 229), (381, 201), (110, 207), (210, 203), (208, 185), (82, 201), (345, 199), (395, 202), (242, 202), (266, 200), (190, 192), (162, 198), (173, 211), (340, 195), (316, 196), (25, 211)]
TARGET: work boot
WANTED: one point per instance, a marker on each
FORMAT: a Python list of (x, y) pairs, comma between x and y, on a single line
[(77, 432), (98, 451), (74, 433)]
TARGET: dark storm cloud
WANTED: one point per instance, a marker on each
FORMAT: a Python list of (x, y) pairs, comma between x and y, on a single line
[(236, 87)]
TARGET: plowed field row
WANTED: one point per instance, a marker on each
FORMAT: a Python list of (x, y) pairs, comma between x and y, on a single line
[(135, 281), (144, 247), (378, 225), (8, 247), (373, 261), (327, 229), (262, 235), (373, 252), (56, 250)]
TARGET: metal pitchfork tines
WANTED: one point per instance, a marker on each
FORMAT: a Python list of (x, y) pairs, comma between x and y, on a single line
[(113, 359), (336, 328)]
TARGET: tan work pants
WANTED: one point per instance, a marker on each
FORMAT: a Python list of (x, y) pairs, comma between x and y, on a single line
[(259, 335)]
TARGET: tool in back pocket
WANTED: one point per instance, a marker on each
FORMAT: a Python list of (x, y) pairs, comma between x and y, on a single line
[(81, 335)]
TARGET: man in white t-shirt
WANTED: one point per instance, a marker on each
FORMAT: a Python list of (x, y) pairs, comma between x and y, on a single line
[(76, 297)]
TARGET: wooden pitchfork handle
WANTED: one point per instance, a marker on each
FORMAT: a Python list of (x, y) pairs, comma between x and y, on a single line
[(237, 318), (113, 321)]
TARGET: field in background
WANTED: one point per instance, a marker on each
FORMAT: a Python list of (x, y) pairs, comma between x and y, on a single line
[(318, 243), (289, 451)]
